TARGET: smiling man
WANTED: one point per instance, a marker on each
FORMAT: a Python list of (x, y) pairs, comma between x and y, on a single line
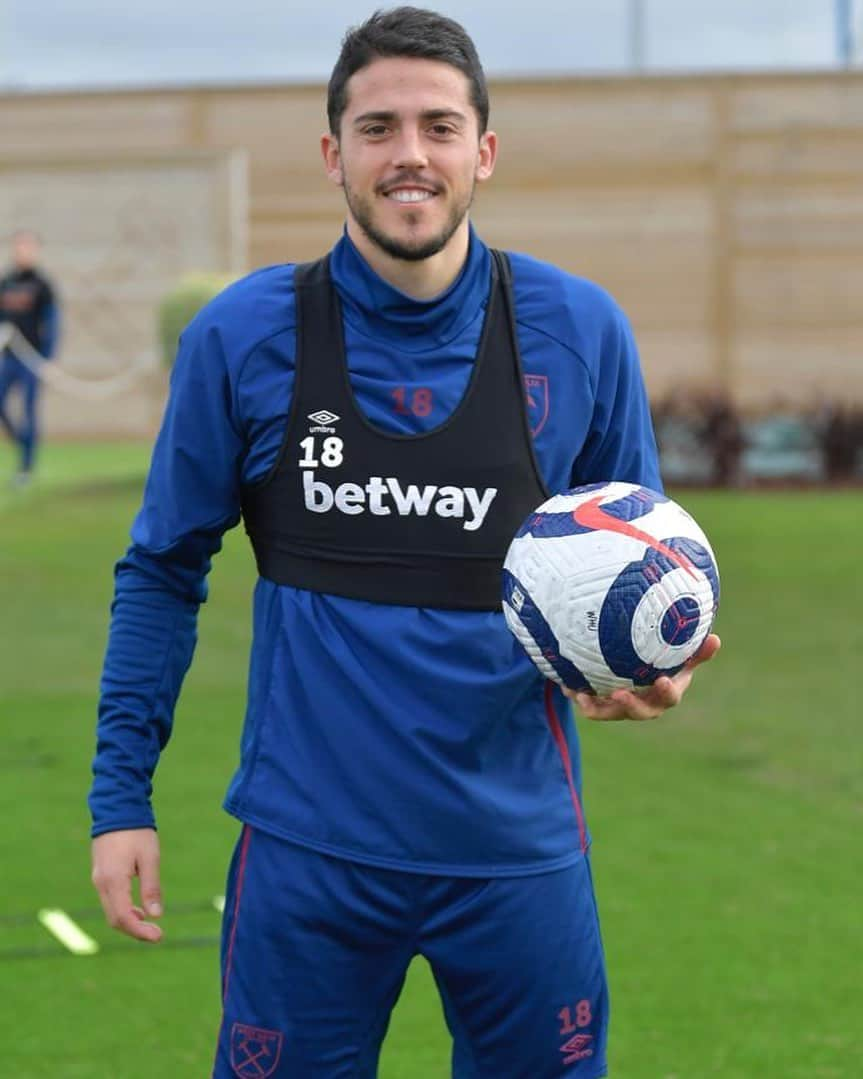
[(382, 420), (409, 147)]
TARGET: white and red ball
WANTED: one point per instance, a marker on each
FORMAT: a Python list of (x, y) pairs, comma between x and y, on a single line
[(610, 586)]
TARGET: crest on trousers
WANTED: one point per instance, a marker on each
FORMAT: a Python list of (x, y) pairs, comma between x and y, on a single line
[(254, 1052), (536, 398)]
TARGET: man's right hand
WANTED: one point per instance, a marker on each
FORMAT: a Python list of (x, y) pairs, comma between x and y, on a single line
[(118, 857)]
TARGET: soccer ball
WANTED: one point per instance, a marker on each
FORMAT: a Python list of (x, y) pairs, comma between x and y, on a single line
[(609, 586)]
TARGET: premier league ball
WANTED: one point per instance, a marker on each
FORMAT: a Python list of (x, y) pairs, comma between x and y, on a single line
[(610, 586)]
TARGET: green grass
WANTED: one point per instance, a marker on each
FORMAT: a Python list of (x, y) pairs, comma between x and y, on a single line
[(727, 848)]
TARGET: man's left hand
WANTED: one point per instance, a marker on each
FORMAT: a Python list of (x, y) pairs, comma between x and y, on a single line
[(645, 703)]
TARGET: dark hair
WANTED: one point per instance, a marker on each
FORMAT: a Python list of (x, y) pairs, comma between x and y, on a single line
[(406, 31)]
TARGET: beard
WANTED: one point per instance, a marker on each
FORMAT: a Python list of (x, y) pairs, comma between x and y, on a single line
[(408, 250)]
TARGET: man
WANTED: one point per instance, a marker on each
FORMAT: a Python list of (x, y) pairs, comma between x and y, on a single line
[(27, 302), (400, 786)]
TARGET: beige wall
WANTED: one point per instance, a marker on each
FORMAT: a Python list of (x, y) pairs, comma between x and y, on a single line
[(725, 213), (117, 228)]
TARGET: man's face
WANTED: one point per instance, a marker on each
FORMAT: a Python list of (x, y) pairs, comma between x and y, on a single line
[(25, 250), (409, 154)]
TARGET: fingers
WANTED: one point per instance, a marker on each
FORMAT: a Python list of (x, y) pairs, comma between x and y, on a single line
[(117, 858), (148, 877), (121, 914), (627, 704), (598, 708), (129, 919), (708, 650), (645, 703), (665, 693)]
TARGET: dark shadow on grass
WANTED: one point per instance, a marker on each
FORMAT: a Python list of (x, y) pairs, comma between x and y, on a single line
[(740, 761), (104, 487), (41, 951), (29, 762)]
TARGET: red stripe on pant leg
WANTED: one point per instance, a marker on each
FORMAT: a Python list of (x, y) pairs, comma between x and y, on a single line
[(563, 749), (241, 875)]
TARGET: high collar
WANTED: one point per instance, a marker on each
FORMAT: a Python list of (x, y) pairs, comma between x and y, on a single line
[(379, 310)]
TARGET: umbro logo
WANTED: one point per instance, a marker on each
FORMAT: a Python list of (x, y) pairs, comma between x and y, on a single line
[(322, 422), (323, 416), (577, 1048)]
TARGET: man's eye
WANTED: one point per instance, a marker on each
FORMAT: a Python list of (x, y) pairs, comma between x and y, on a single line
[(442, 130), (375, 130)]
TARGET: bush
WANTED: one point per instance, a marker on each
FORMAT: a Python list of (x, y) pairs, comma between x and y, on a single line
[(181, 304)]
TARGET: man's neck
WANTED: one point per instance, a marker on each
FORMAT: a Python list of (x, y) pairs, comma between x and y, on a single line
[(424, 279)]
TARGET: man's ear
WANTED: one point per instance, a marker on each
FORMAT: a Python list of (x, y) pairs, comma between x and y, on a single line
[(487, 156), (332, 158)]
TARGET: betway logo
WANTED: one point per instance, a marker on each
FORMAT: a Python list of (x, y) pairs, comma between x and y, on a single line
[(374, 496)]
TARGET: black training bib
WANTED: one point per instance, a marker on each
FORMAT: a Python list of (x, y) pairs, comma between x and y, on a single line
[(419, 520)]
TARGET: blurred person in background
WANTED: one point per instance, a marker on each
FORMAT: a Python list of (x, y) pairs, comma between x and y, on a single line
[(28, 301), (722, 432), (408, 782), (838, 427)]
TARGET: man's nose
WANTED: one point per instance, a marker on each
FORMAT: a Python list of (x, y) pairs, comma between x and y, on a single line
[(409, 150)]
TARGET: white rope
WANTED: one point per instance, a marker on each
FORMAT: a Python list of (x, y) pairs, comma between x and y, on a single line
[(80, 388)]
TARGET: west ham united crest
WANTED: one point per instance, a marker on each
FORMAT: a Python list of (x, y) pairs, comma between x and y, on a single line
[(254, 1052), (536, 396)]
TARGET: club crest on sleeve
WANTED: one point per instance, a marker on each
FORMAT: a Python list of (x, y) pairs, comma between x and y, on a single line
[(254, 1052), (536, 397)]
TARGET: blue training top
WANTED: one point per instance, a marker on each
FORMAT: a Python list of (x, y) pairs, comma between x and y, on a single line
[(413, 738)]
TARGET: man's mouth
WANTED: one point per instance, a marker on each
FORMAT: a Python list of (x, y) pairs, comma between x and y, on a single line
[(409, 194)]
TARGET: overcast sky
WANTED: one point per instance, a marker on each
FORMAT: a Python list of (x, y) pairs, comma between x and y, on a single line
[(81, 43)]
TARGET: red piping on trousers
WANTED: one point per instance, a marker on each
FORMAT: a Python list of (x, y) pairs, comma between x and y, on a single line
[(563, 749), (241, 874)]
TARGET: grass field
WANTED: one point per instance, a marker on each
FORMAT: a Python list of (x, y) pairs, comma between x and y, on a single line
[(727, 836)]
